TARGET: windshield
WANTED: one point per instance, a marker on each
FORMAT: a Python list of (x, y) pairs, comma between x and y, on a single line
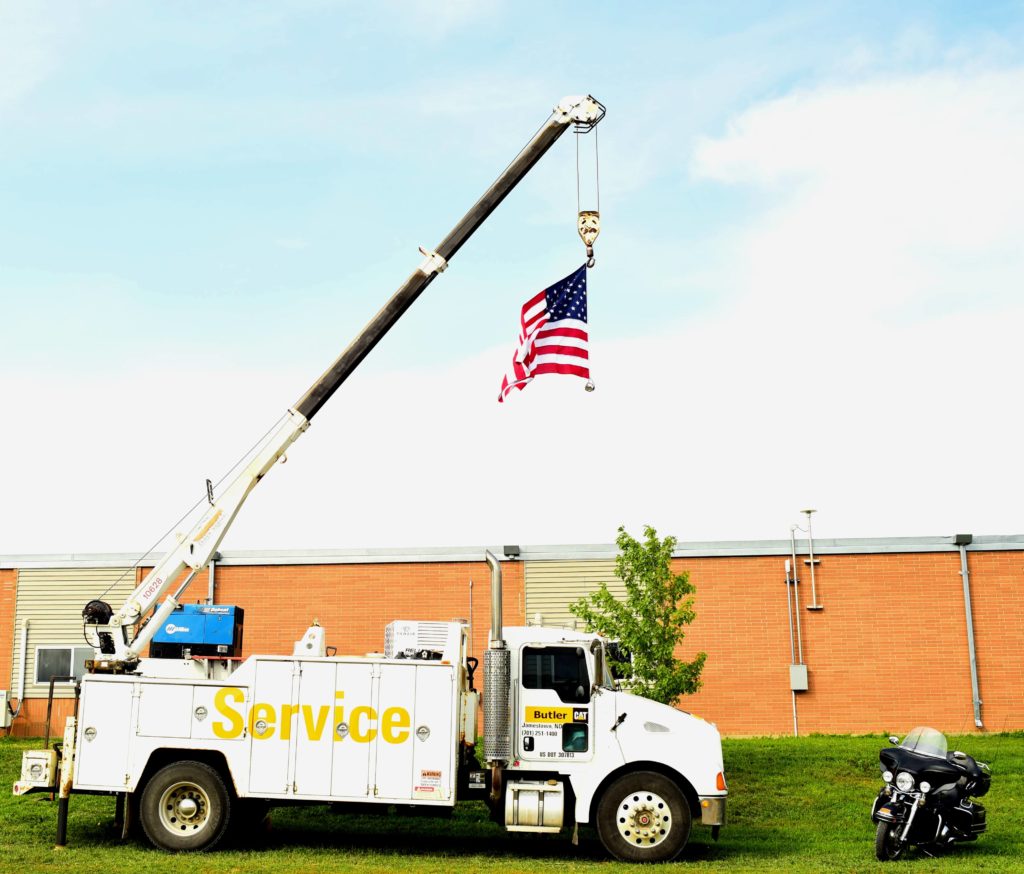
[(926, 741)]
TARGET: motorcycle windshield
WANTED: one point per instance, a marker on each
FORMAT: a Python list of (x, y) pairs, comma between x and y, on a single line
[(926, 742)]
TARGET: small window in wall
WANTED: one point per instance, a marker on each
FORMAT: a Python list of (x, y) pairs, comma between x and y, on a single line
[(561, 668), (61, 661)]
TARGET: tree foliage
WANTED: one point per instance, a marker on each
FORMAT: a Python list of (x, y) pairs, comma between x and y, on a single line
[(652, 620)]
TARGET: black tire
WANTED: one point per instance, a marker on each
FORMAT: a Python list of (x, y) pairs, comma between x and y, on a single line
[(185, 807), (643, 817), (888, 847)]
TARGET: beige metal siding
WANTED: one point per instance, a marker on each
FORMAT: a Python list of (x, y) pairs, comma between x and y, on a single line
[(52, 600), (551, 586)]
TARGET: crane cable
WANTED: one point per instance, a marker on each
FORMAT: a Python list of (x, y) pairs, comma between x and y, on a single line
[(588, 221), (192, 509)]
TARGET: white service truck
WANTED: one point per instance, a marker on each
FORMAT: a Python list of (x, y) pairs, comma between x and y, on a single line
[(189, 740)]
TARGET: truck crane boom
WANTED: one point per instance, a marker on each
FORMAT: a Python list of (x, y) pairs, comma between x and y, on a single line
[(116, 652)]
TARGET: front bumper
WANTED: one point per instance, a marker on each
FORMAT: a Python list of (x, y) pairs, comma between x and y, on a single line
[(712, 810)]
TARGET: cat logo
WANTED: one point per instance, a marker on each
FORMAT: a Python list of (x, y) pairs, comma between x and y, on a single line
[(580, 714)]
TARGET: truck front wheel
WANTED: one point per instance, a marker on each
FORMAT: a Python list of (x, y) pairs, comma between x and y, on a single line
[(643, 817), (185, 807)]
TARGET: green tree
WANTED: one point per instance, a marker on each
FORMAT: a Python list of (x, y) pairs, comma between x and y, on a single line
[(651, 622)]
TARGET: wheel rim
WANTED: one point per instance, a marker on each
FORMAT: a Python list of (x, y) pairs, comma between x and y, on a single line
[(893, 844), (184, 809), (643, 819)]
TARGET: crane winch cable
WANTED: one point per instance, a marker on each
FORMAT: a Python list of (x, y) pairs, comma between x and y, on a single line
[(192, 509), (588, 221)]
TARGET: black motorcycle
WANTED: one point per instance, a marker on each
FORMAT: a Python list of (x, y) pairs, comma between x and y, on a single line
[(926, 800)]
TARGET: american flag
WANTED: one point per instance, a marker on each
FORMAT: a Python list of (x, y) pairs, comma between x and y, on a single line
[(552, 334)]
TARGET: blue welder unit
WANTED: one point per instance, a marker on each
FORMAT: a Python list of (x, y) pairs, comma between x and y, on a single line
[(200, 630)]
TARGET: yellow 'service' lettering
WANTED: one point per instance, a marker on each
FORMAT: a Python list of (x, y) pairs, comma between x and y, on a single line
[(233, 727), (314, 730), (339, 712), (356, 729), (287, 712), (394, 725)]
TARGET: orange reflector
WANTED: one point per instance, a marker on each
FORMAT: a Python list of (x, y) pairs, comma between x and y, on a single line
[(705, 803), (720, 781)]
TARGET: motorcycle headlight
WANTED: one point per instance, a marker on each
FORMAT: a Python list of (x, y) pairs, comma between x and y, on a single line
[(887, 776), (904, 782), (926, 786)]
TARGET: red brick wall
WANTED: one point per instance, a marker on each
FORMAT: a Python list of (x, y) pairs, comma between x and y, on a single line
[(997, 580), (31, 722), (887, 652), (353, 602)]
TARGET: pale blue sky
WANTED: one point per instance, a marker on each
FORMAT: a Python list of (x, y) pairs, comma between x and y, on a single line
[(200, 205)]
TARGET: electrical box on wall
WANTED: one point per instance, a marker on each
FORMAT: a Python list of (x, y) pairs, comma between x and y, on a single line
[(798, 678), (5, 710)]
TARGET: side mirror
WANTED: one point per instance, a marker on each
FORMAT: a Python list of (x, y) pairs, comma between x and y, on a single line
[(895, 741)]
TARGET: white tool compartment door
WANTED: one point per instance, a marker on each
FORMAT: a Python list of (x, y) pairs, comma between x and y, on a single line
[(272, 692), (350, 764), (165, 710), (105, 715), (553, 714), (396, 705), (434, 734), (313, 729)]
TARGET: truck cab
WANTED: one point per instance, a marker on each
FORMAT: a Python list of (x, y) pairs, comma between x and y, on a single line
[(639, 771)]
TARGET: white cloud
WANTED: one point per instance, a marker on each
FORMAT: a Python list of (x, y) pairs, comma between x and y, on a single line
[(32, 37), (436, 19), (900, 193)]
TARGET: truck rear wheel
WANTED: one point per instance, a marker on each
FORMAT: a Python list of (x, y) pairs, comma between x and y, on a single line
[(185, 807), (643, 817)]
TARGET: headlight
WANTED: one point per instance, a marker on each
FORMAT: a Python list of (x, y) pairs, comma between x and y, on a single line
[(926, 786), (904, 782), (887, 776)]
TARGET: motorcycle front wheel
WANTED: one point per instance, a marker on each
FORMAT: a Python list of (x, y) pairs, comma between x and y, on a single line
[(888, 846)]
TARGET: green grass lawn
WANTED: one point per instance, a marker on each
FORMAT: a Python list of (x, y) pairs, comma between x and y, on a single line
[(795, 805)]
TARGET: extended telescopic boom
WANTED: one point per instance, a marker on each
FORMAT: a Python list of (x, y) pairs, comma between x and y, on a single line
[(194, 551)]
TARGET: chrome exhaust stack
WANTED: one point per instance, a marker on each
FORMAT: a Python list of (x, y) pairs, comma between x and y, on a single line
[(497, 687)]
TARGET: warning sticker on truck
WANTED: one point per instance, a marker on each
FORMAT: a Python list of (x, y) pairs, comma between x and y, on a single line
[(428, 785)]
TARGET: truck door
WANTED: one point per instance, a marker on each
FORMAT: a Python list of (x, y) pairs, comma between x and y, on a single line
[(268, 763), (554, 710), (433, 763), (104, 734), (396, 704), (415, 736), (351, 727), (313, 729)]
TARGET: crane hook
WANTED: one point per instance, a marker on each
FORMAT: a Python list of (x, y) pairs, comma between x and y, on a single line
[(588, 223)]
